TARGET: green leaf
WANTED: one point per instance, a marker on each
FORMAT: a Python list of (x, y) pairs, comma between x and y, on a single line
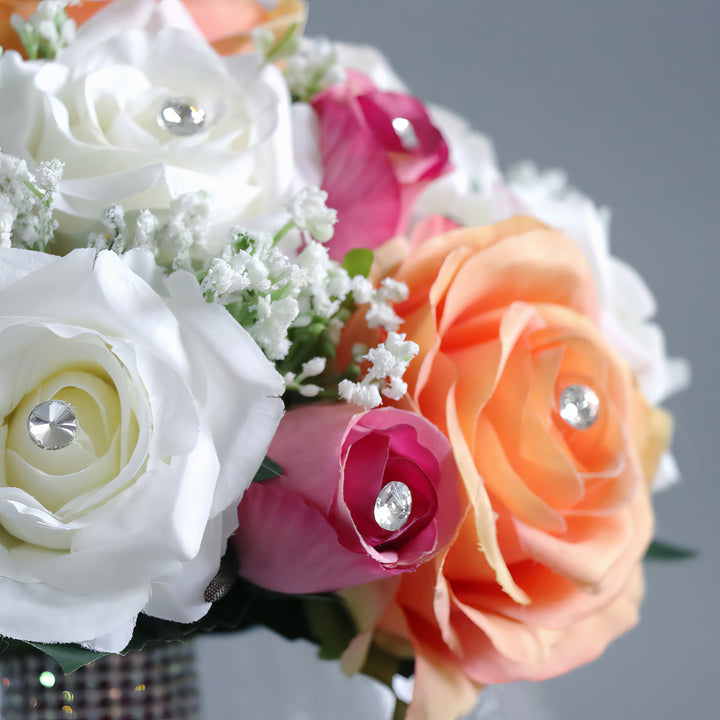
[(69, 657), (245, 606), (659, 550), (331, 625), (267, 471), (358, 262), (284, 46)]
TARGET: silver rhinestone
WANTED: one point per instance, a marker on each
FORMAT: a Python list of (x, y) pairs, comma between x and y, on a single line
[(181, 116), (393, 506), (406, 132), (579, 406), (52, 425)]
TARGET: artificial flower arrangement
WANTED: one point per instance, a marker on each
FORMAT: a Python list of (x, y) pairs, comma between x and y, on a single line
[(281, 345)]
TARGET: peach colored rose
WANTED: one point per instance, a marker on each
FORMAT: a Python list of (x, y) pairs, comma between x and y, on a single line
[(545, 569), (226, 23)]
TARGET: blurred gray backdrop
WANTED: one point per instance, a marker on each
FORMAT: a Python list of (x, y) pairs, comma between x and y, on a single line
[(625, 97)]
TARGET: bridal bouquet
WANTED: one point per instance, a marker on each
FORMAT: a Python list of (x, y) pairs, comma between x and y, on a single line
[(280, 345)]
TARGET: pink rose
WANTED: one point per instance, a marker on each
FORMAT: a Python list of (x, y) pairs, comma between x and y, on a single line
[(314, 528), (379, 150)]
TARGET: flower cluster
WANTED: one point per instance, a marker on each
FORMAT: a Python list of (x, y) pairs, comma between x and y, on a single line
[(259, 303), (26, 202)]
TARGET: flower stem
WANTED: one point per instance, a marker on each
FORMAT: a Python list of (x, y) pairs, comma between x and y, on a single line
[(289, 225), (400, 710)]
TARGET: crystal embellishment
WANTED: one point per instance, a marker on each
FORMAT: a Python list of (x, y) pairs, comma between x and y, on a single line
[(579, 406), (393, 506), (52, 425), (181, 116), (406, 132)]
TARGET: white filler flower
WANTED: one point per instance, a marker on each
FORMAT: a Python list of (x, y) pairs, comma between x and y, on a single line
[(127, 507)]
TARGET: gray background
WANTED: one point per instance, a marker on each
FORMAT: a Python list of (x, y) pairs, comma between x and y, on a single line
[(624, 96)]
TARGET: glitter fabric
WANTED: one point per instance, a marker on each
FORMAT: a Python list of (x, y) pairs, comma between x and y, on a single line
[(157, 684)]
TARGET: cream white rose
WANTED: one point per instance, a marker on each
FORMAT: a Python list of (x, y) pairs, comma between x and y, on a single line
[(97, 108), (175, 406)]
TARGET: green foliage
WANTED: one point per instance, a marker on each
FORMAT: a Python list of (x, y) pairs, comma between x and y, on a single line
[(659, 550), (358, 262), (267, 471)]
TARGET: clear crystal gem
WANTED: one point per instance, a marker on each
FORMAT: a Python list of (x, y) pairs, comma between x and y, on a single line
[(579, 406), (393, 506), (52, 425), (406, 132), (181, 116)]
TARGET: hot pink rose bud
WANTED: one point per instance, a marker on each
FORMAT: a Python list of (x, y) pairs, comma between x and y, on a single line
[(362, 496), (379, 150)]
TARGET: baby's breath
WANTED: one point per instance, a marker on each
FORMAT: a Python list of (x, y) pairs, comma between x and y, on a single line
[(26, 202), (388, 363)]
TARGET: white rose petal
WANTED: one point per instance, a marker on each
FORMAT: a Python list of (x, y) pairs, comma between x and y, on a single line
[(371, 63), (176, 406)]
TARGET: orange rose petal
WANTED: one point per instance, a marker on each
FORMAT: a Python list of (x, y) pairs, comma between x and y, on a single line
[(586, 552), (445, 277), (388, 257), (420, 326), (277, 21), (547, 470), (654, 436), (588, 639), (433, 387), (596, 549), (221, 18), (417, 595), (603, 495), (520, 412), (540, 266), (516, 641), (598, 451), (503, 481), (484, 514), (475, 368), (481, 365), (355, 654), (478, 238), (421, 268), (441, 689), (464, 563), (367, 604), (555, 604)]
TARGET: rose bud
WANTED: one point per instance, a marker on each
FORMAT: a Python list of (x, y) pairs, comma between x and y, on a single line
[(362, 496)]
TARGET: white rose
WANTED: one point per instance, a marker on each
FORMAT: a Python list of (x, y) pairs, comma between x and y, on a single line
[(96, 108), (175, 405), (370, 62), (474, 191)]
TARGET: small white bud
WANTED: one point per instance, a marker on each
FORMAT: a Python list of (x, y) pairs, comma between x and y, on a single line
[(314, 367), (309, 212)]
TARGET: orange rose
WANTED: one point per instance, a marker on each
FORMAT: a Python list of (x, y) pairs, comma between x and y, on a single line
[(545, 569), (226, 23)]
